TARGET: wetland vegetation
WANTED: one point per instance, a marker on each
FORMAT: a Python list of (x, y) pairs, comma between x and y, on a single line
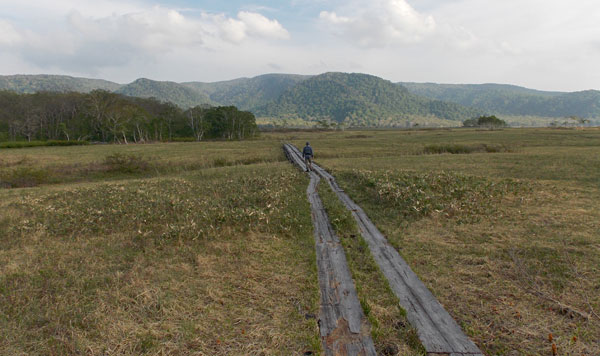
[(207, 247)]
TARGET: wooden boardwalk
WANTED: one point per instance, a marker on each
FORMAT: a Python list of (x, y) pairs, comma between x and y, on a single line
[(438, 331), (343, 326)]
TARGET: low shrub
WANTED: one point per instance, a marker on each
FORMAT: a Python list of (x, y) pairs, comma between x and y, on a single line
[(221, 162), (449, 148), (23, 144), (454, 148), (358, 136), (182, 139), (250, 160), (126, 163), (23, 177)]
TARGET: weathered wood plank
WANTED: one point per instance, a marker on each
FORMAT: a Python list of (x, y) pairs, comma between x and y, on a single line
[(438, 331), (343, 326)]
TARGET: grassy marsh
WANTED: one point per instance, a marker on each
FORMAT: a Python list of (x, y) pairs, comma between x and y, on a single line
[(212, 262), (508, 242), (209, 249)]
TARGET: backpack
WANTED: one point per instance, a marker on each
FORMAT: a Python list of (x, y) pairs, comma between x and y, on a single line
[(307, 151)]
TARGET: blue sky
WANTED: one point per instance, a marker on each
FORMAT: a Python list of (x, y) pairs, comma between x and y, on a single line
[(542, 44)]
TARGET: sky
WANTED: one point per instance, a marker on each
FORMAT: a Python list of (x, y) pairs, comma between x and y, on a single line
[(539, 44)]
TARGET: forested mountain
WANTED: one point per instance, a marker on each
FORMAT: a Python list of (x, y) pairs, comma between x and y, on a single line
[(358, 99), (248, 93), (513, 100), (175, 93), (57, 83)]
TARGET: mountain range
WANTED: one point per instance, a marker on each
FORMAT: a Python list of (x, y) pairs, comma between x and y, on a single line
[(353, 98), (505, 99), (26, 84)]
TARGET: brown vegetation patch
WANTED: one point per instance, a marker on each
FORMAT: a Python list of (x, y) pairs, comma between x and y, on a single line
[(162, 266), (524, 268)]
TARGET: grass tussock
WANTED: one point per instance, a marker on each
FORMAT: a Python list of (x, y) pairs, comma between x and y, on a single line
[(24, 177), (126, 163), (22, 160)]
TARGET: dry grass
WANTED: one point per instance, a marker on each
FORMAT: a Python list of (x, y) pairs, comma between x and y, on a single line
[(490, 274), (512, 267), (194, 259), (168, 266)]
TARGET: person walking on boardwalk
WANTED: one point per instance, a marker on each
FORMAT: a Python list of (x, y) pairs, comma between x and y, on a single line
[(307, 153)]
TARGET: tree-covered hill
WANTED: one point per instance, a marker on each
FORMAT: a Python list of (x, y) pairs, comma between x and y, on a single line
[(513, 100), (358, 99), (248, 93), (27, 84), (175, 93)]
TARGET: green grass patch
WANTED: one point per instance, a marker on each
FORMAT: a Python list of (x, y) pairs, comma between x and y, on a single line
[(414, 195), (114, 162)]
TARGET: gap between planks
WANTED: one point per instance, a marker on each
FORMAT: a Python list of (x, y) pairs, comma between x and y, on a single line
[(343, 327)]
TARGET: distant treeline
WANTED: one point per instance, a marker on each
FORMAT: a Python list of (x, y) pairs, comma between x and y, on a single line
[(109, 117)]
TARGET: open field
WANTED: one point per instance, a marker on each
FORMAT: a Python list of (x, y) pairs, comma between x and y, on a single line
[(213, 262), (207, 248), (509, 242)]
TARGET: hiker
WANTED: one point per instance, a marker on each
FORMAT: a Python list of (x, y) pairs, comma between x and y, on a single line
[(307, 153)]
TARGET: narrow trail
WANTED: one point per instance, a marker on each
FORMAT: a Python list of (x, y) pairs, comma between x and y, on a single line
[(438, 331), (343, 326)]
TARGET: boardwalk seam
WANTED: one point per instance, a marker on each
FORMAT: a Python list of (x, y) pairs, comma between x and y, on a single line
[(343, 326)]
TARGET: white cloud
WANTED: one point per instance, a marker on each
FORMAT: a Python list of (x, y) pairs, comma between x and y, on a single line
[(525, 26), (8, 34), (545, 44), (258, 25), (246, 25), (379, 23), (81, 41), (46, 9), (158, 29)]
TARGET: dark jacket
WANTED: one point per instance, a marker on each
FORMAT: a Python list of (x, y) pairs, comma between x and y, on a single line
[(307, 151)]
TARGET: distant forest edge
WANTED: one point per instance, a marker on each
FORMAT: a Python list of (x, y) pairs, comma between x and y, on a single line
[(104, 116), (343, 100), (512, 100)]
